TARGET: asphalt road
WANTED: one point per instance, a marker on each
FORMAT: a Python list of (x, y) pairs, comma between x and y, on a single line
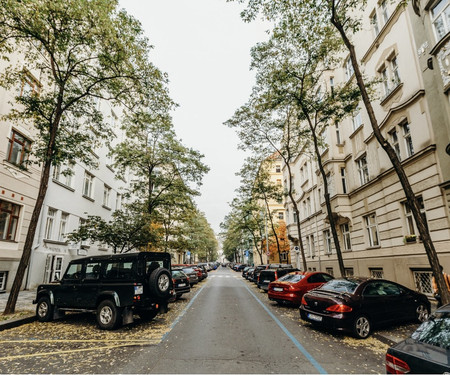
[(225, 325)]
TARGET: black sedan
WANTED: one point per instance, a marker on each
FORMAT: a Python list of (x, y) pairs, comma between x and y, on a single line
[(427, 351), (357, 305), (180, 283)]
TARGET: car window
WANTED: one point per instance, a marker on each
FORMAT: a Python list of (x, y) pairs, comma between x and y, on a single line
[(118, 270), (177, 273), (292, 278), (317, 278), (327, 277), (340, 286), (93, 270), (74, 271), (435, 331)]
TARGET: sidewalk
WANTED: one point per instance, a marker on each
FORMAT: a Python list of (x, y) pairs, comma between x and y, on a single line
[(25, 310)]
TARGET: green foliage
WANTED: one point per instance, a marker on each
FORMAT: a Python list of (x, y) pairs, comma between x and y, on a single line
[(127, 230)]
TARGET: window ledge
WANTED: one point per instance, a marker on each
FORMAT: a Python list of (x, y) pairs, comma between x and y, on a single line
[(373, 247), (88, 198), (63, 185), (391, 93), (55, 242), (357, 130), (106, 207), (437, 47), (11, 241), (16, 168)]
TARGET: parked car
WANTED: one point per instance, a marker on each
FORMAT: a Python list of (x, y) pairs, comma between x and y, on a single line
[(112, 286), (180, 283), (291, 287), (190, 273), (249, 275), (249, 271), (427, 351), (358, 305), (244, 271), (269, 275), (257, 271), (201, 272)]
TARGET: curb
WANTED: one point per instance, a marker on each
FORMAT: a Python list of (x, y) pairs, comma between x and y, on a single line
[(16, 322), (383, 339)]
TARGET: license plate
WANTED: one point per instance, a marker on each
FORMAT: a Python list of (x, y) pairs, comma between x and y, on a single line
[(278, 289), (314, 317), (182, 284), (266, 281)]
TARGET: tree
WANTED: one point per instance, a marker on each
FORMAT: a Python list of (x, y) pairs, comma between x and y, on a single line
[(344, 16), (128, 230), (85, 50), (282, 244), (292, 71)]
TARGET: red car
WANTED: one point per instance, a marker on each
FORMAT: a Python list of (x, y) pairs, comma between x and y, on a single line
[(291, 287)]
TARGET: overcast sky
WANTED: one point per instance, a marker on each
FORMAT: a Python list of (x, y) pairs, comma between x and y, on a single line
[(204, 46)]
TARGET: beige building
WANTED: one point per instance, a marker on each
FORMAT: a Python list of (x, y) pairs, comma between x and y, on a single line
[(377, 233), (19, 180)]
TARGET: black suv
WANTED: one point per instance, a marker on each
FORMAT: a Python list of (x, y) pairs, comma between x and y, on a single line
[(112, 286), (273, 273)]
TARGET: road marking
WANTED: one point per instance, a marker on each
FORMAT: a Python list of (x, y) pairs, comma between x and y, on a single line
[(67, 351), (299, 346)]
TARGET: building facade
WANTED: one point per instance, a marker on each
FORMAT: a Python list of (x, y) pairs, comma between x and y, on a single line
[(377, 233)]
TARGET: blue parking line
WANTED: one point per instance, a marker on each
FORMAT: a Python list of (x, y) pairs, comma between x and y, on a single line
[(299, 346), (182, 313)]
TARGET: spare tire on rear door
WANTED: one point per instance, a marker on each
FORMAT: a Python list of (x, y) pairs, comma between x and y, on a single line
[(159, 283)]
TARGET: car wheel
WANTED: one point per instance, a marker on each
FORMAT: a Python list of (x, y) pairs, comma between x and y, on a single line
[(422, 313), (44, 310), (362, 327), (148, 314), (159, 283), (108, 315)]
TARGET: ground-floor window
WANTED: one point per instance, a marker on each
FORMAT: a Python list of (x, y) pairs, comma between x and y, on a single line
[(349, 272), (329, 270), (422, 279), (3, 279), (53, 268), (376, 273), (284, 256)]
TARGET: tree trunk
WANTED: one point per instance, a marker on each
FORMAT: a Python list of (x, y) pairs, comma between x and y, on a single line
[(273, 229), (327, 199), (403, 178)]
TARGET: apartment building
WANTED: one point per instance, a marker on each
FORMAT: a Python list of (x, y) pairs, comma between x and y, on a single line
[(19, 178), (376, 230), (70, 199)]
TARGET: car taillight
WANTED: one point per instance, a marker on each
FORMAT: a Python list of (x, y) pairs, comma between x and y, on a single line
[(396, 366), (339, 308), (304, 301)]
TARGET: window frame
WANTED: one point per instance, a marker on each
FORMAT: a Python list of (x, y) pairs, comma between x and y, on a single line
[(11, 221), (363, 170), (440, 15), (25, 148), (372, 232), (328, 247), (346, 236), (88, 184), (50, 223)]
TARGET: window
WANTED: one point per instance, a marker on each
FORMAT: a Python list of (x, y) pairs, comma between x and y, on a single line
[(349, 272), (395, 144), (390, 75), (410, 223), (74, 271), (338, 134), (278, 168), (327, 241), (284, 256), (9, 219), (407, 137), (93, 271), (87, 184), (348, 69), (384, 11), (440, 15), (294, 214), (278, 182), (312, 245), (374, 23), (395, 73), (106, 195), (385, 80), (29, 85), (363, 170), (308, 206), (356, 119), (84, 243), (63, 226), (18, 149), (118, 201), (280, 215), (345, 229), (64, 174), (344, 181), (423, 281), (3, 279), (376, 273), (330, 184), (329, 270), (49, 224), (372, 230), (332, 85), (324, 140)]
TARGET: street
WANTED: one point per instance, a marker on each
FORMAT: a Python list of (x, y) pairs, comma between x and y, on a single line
[(224, 325)]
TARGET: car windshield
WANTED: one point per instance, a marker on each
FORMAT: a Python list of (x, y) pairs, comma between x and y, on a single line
[(177, 273), (292, 278), (435, 331), (189, 270), (340, 286)]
